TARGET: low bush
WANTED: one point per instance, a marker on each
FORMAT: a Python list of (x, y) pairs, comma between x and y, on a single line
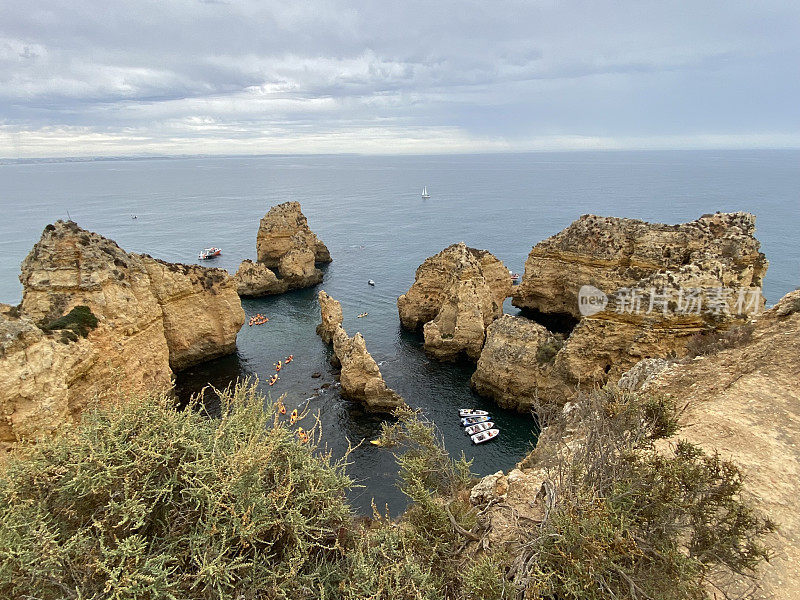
[(625, 521), (546, 352), (144, 501), (80, 320), (713, 342)]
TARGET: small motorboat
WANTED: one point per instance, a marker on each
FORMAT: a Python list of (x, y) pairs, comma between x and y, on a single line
[(484, 436), (473, 421), (514, 276), (209, 253), (370, 282), (473, 429), (471, 412)]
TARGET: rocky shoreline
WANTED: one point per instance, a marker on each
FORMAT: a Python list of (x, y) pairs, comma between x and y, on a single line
[(607, 303)]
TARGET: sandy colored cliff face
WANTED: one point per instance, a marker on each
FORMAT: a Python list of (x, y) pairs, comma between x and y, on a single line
[(285, 242), (360, 376), (610, 253), (153, 317), (201, 310), (651, 274), (745, 404), (517, 364), (456, 294)]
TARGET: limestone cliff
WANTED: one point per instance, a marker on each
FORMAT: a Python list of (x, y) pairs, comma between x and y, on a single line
[(456, 294), (359, 375), (744, 402), (516, 364), (255, 279), (701, 276), (152, 317), (285, 242), (611, 253)]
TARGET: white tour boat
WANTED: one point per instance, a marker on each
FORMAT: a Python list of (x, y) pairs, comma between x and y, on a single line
[(484, 436), (473, 429)]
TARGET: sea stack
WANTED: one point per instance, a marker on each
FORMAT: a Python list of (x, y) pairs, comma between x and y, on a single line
[(456, 294), (288, 252), (98, 322), (628, 290), (360, 375)]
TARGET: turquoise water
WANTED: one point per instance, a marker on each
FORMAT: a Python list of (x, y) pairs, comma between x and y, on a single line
[(369, 212)]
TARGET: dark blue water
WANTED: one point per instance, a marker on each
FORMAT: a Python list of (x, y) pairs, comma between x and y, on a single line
[(369, 212)]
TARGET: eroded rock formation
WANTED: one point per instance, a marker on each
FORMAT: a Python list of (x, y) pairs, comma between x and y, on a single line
[(360, 376), (456, 294), (610, 253), (655, 287), (255, 279), (151, 317), (285, 243), (331, 311), (517, 364)]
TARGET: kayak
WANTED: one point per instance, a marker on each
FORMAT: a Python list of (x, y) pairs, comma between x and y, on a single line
[(484, 436), (473, 429), (471, 412)]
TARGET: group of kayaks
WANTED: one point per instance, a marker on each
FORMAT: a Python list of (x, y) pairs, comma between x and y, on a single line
[(477, 425)]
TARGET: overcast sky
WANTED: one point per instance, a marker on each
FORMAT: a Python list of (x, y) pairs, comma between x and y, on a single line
[(120, 77)]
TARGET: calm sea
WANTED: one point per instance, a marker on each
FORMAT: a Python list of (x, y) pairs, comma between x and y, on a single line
[(369, 212)]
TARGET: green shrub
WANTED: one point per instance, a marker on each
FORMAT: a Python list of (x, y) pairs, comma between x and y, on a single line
[(624, 521), (547, 350), (144, 501), (80, 320)]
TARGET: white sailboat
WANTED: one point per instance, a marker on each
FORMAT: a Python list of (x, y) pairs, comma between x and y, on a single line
[(425, 193)]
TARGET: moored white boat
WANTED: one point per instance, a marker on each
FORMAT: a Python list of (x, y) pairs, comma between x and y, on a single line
[(466, 422), (484, 436), (473, 429), (209, 253), (471, 412)]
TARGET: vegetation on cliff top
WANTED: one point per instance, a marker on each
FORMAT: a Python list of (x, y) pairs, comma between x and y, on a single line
[(76, 323), (143, 501)]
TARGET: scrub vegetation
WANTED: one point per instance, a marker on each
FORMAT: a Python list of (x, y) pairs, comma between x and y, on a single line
[(142, 501)]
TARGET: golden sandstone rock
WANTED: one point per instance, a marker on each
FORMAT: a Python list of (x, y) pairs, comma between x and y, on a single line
[(650, 277), (284, 242), (456, 294), (153, 317), (255, 279), (360, 375)]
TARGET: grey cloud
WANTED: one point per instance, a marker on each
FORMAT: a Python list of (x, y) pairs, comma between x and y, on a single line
[(503, 71)]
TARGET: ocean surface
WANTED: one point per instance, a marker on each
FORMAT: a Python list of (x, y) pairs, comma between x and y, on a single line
[(369, 212)]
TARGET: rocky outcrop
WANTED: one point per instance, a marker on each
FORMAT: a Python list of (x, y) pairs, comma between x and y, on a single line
[(637, 291), (151, 317), (517, 364), (255, 279), (611, 253), (285, 242), (360, 377), (456, 294), (331, 311), (201, 310), (744, 403)]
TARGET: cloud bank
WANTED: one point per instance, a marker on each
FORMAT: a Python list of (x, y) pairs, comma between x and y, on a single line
[(84, 78)]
